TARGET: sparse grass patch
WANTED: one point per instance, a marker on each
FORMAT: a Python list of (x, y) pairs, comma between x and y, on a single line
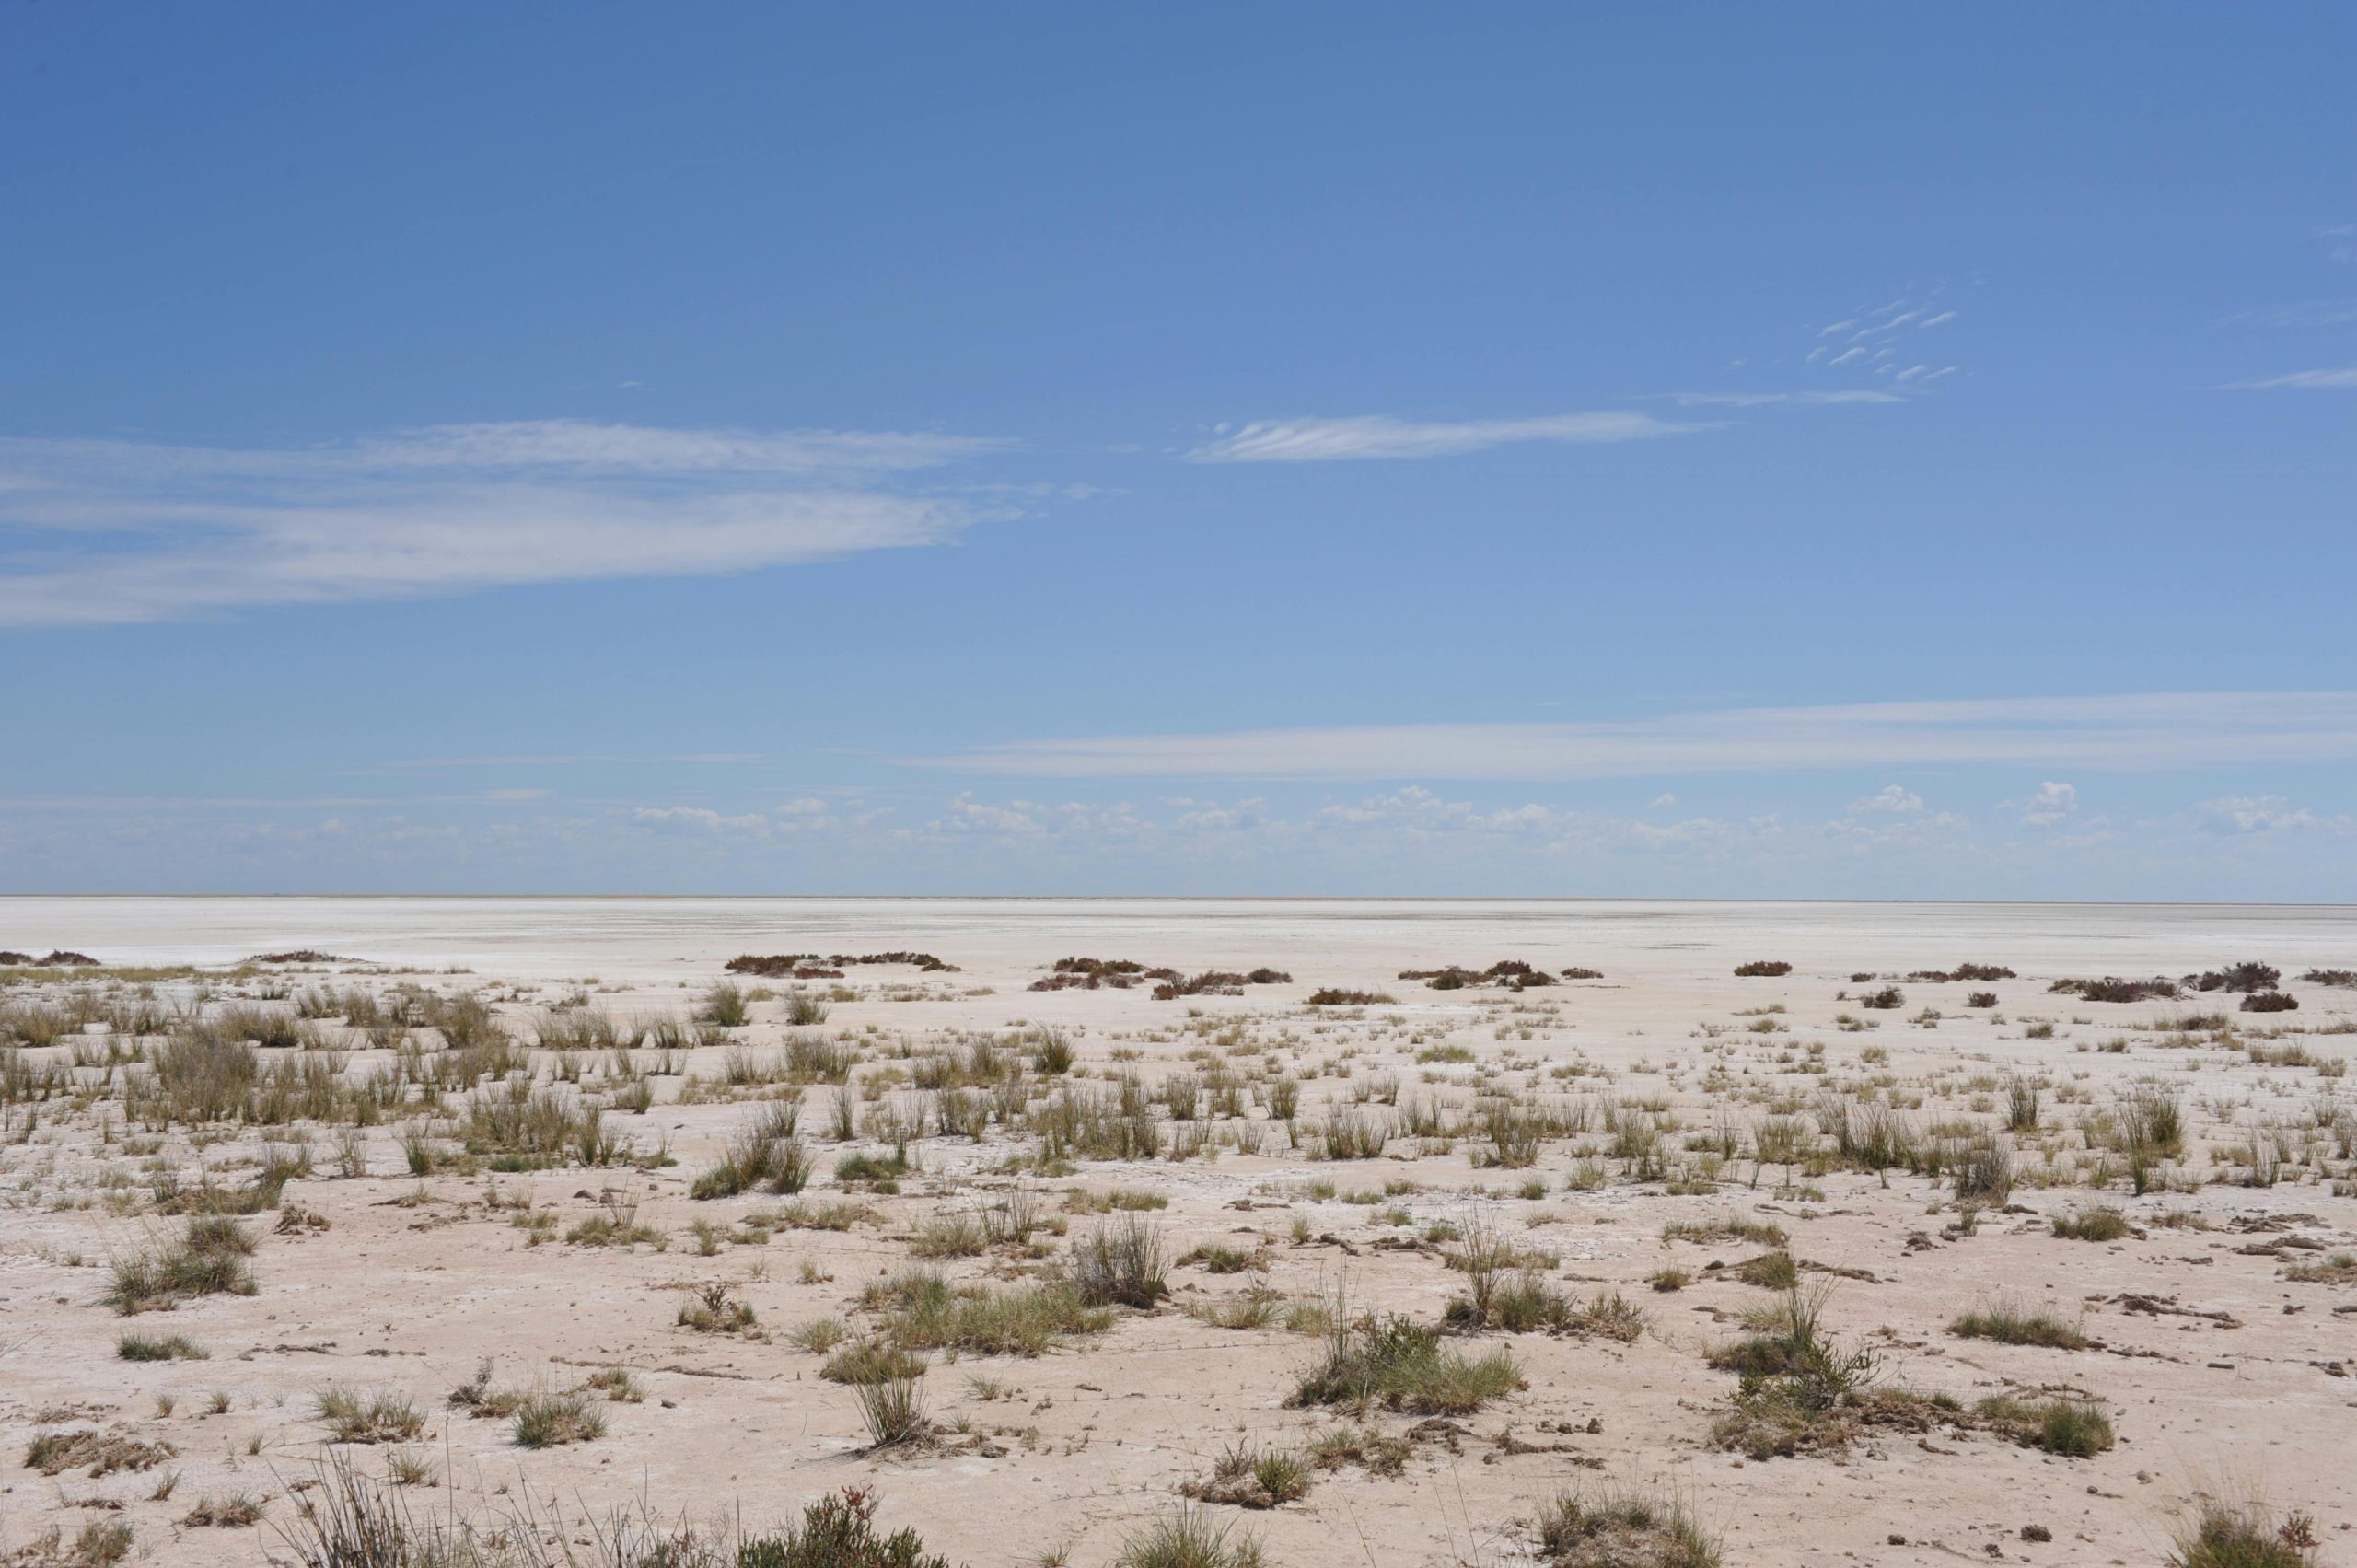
[(237, 1511), (147, 1347), (2009, 1324), (1188, 1538), (1626, 1529), (1121, 1264), (209, 1259), (1758, 1232), (2091, 1224), (547, 1421), (1401, 1365), (2243, 1535), (2076, 1429), (1245, 1478), (377, 1416), (932, 1314), (893, 1408)]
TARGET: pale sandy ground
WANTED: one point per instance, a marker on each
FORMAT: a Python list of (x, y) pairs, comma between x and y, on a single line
[(1095, 1439)]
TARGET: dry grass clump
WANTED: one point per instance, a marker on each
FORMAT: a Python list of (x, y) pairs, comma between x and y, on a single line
[(101, 1454), (239, 1510), (2074, 1429), (1244, 1477), (2341, 1268), (1505, 1289), (893, 1408), (1188, 1538), (170, 1347), (872, 1360), (1362, 1446), (379, 1416), (2099, 1223), (101, 1543), (2247, 1533), (209, 1259), (518, 1128), (2008, 1323), (1121, 1264), (547, 1421), (1771, 1270), (715, 1309), (346, 1519), (1728, 1228), (1797, 1388), (1626, 1529), (929, 1313), (1399, 1363), (764, 1154)]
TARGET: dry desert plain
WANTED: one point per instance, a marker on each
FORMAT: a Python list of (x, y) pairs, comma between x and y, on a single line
[(531, 1228)]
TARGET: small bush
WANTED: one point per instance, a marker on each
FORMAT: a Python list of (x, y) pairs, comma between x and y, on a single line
[(2271, 1002), (1763, 968), (2113, 989), (837, 1531), (2244, 977)]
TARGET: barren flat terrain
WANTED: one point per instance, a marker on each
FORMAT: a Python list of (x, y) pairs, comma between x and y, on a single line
[(1082, 1232)]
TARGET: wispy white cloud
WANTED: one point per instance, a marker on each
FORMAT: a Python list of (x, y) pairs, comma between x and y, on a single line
[(1871, 343), (2307, 313), (1761, 399), (2263, 814), (1894, 800), (2153, 730), (1380, 435), (2310, 380), (100, 532), (561, 760), (2050, 803)]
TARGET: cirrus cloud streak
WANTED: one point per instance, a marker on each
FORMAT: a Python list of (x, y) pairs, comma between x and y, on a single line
[(2144, 731)]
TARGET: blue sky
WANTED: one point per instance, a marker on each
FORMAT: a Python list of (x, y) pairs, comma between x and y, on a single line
[(1833, 451)]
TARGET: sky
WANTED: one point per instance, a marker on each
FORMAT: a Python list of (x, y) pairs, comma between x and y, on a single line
[(1839, 451)]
